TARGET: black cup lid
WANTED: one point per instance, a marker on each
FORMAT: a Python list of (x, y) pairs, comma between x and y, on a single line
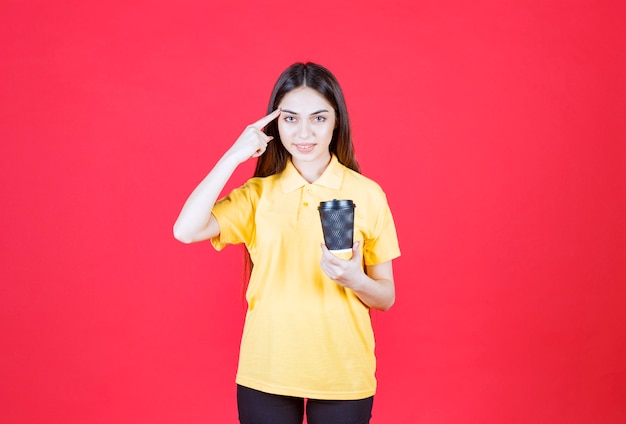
[(336, 204)]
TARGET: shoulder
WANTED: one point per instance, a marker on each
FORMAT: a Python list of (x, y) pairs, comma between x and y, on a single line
[(354, 180), (260, 184)]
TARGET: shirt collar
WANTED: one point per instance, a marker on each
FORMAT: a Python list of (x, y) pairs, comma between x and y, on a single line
[(290, 178)]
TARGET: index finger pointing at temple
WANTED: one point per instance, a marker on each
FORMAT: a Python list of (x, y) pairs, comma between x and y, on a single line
[(261, 123)]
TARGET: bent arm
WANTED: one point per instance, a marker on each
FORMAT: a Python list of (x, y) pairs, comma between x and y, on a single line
[(380, 291), (375, 287), (195, 222)]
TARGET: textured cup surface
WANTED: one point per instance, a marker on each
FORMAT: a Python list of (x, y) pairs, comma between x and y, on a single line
[(337, 218)]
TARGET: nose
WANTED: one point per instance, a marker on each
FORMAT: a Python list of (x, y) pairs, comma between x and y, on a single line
[(304, 131)]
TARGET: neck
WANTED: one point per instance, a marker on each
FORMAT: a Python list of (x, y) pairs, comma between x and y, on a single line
[(311, 171)]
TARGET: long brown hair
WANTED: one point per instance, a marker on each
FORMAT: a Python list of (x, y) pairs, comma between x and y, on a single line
[(324, 82), (275, 158)]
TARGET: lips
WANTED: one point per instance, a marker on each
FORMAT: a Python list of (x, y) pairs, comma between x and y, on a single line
[(304, 147)]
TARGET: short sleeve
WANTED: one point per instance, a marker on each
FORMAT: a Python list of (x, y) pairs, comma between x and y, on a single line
[(383, 245), (235, 216)]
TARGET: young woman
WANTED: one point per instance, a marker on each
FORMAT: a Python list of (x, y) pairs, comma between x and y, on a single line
[(307, 334)]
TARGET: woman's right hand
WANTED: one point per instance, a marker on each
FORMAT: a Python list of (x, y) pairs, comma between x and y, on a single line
[(195, 221), (253, 141)]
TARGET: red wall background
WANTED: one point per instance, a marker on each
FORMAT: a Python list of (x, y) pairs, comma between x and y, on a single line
[(496, 128)]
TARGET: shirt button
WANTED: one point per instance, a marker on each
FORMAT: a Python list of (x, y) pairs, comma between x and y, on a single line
[(306, 203)]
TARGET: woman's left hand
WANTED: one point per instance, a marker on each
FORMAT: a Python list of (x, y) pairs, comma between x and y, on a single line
[(374, 285), (344, 272)]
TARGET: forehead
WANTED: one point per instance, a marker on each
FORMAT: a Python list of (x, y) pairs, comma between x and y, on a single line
[(304, 100)]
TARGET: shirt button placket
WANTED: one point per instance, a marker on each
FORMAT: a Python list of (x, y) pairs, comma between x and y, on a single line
[(307, 195)]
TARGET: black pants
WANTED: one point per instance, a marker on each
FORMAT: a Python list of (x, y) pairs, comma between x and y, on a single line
[(257, 407)]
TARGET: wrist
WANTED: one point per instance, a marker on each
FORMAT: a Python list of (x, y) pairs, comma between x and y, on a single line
[(232, 158), (357, 283)]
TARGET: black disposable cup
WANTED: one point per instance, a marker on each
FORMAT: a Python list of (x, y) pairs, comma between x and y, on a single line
[(337, 218)]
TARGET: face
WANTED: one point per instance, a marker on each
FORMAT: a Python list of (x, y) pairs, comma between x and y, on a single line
[(306, 126)]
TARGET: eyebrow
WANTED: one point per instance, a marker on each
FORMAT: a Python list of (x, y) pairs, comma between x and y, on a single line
[(314, 113)]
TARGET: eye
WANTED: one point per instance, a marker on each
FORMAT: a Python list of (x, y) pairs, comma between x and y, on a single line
[(319, 118), (290, 119)]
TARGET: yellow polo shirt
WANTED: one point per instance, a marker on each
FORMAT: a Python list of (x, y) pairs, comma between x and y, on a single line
[(304, 334)]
